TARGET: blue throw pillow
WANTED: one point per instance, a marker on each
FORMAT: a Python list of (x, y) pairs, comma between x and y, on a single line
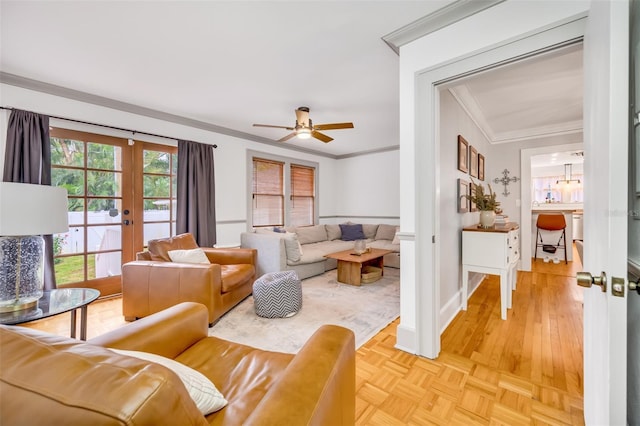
[(352, 232)]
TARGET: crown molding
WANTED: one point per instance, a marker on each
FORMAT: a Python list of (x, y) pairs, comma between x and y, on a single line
[(435, 21)]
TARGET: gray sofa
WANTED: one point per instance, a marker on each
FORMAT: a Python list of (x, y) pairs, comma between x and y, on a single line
[(302, 249)]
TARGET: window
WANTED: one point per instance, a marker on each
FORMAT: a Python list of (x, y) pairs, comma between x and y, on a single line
[(553, 189), (302, 195), (283, 191), (268, 193)]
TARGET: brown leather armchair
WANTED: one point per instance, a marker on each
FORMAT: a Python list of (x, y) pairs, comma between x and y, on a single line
[(153, 282)]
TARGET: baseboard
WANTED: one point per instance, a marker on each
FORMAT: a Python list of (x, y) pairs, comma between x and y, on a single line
[(406, 339), (449, 311)]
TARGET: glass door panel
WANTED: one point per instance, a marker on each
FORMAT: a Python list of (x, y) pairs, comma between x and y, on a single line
[(95, 171)]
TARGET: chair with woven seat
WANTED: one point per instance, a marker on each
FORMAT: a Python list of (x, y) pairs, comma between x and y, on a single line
[(551, 222)]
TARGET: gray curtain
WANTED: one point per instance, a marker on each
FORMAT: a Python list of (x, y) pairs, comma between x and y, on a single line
[(196, 192), (27, 159)]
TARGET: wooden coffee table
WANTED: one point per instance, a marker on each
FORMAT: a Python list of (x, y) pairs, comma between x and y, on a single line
[(350, 265)]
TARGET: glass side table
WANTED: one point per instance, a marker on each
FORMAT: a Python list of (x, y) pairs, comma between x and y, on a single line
[(55, 302)]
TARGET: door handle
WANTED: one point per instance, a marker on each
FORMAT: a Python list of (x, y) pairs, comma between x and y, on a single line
[(585, 279), (635, 286), (126, 222)]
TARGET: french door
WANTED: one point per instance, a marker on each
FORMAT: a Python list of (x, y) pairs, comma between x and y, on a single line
[(120, 194)]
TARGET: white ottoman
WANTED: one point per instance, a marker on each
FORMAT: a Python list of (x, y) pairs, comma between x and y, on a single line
[(277, 294)]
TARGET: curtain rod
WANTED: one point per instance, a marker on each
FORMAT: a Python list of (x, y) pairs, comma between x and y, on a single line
[(100, 125)]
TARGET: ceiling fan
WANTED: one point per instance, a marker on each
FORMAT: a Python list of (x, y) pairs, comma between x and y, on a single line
[(305, 129)]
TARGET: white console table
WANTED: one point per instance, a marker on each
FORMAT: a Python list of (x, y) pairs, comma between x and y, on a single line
[(493, 251)]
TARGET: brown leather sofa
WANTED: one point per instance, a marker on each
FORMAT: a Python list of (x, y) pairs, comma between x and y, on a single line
[(53, 380), (153, 282)]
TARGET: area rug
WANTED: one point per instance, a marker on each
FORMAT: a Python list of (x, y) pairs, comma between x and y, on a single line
[(366, 310)]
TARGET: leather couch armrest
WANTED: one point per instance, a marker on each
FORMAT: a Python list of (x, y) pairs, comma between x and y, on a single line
[(323, 371), (231, 256), (167, 333)]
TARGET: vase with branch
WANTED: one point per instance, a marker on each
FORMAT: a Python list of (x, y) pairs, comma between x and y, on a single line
[(486, 203)]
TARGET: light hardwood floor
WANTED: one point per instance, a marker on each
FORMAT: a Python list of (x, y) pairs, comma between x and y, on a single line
[(521, 371)]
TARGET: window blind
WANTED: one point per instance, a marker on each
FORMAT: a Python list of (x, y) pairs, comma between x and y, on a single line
[(268, 193), (302, 195)]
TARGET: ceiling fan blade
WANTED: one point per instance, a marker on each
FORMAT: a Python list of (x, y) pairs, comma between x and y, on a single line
[(302, 116), (321, 136), (333, 126), (286, 138), (275, 127)]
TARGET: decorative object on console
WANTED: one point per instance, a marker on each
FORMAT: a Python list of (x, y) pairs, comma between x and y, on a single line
[(486, 203), (505, 180), (463, 155), (27, 211)]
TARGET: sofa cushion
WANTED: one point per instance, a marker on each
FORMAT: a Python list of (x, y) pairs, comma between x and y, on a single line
[(386, 232), (311, 234), (292, 246), (333, 232), (203, 392), (159, 248), (188, 256), (351, 232), (369, 231), (235, 275), (78, 383)]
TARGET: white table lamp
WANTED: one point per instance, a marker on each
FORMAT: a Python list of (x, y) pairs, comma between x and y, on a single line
[(27, 212)]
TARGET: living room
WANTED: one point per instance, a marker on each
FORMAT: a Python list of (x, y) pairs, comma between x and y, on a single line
[(382, 203)]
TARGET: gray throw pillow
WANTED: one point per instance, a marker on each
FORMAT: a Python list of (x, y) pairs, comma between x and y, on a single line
[(311, 234), (369, 231), (333, 232), (386, 232), (352, 232)]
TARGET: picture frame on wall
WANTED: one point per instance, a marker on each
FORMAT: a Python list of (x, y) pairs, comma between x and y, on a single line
[(480, 166), (463, 191), (472, 191), (463, 154), (473, 162)]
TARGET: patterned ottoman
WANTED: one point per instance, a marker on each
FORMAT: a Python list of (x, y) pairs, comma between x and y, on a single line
[(277, 294)]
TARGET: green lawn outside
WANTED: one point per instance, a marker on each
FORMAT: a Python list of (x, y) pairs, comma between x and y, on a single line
[(71, 269)]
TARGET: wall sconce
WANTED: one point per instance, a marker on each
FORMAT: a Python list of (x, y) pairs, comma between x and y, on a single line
[(27, 212)]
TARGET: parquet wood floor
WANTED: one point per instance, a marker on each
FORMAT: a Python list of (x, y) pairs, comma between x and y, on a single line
[(526, 370)]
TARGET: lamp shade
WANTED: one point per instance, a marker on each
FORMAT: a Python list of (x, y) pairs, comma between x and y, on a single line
[(28, 209)]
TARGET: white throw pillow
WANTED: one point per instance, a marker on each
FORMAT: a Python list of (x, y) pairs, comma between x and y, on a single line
[(396, 239), (188, 256), (204, 393), (292, 246)]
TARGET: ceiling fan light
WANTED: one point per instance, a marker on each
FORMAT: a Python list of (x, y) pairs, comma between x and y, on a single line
[(303, 133)]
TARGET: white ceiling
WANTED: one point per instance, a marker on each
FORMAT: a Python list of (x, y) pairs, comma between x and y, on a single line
[(232, 64)]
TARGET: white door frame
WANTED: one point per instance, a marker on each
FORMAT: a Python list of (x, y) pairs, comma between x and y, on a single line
[(427, 302)]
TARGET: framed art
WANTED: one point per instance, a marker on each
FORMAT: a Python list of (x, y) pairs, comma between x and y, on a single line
[(472, 191), (463, 155), (473, 162), (463, 191), (480, 166)]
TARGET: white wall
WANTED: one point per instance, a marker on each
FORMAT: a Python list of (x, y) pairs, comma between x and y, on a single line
[(454, 121), (346, 187), (368, 187)]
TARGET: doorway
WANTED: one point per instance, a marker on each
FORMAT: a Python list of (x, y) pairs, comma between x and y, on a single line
[(120, 195)]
